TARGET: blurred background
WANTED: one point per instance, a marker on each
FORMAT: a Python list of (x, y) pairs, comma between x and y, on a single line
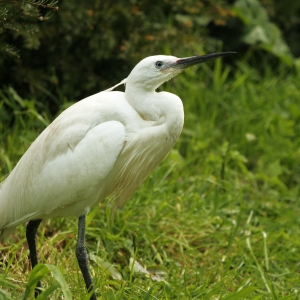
[(83, 48)]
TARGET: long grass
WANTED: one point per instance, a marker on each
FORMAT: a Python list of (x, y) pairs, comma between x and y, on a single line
[(219, 219)]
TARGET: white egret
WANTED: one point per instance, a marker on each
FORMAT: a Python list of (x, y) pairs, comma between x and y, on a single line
[(106, 144)]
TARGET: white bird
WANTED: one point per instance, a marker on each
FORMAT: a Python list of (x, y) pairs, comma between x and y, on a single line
[(106, 144)]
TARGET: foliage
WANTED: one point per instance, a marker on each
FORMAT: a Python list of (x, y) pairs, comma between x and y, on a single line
[(88, 46), (260, 31), (93, 43), (39, 272), (18, 19), (219, 218), (286, 14)]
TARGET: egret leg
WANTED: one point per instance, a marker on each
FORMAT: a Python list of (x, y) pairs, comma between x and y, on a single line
[(82, 256), (31, 230)]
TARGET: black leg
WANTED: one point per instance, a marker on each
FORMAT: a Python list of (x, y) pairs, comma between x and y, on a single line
[(31, 230), (82, 256)]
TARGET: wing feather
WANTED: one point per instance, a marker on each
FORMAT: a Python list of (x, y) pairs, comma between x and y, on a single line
[(64, 170)]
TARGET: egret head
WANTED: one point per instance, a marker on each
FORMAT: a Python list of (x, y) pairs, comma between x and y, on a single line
[(153, 71)]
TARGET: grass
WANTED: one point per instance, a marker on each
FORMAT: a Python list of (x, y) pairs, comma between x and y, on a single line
[(219, 219)]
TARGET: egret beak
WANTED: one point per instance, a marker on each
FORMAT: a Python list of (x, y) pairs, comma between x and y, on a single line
[(183, 63)]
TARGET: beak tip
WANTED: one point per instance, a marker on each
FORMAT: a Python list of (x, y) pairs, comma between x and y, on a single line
[(183, 63)]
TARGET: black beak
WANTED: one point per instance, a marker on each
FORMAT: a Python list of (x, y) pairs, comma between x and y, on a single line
[(183, 63)]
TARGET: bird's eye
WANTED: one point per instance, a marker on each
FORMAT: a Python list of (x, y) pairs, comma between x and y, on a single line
[(158, 64)]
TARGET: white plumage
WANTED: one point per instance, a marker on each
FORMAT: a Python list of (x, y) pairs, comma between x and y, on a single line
[(106, 144)]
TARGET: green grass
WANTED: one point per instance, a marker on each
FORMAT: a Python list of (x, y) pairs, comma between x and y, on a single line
[(219, 219)]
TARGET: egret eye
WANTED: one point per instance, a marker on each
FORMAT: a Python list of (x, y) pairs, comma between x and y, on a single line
[(158, 64)]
